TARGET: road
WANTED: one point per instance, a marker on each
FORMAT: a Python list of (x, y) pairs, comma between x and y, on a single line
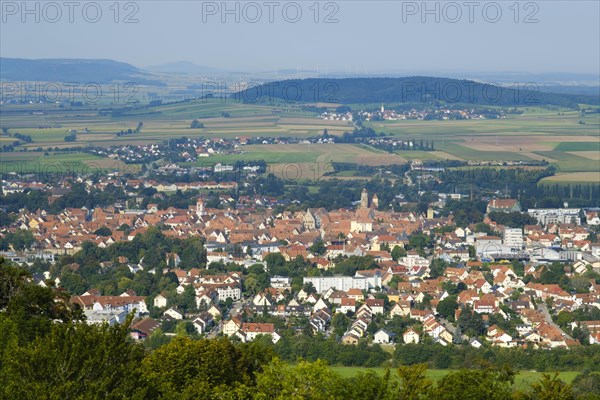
[(544, 310), (451, 328), (237, 308)]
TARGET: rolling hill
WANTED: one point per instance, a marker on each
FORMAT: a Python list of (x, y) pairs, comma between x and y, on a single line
[(417, 89), (72, 70)]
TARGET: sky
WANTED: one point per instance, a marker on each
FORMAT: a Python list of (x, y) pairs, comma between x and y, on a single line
[(368, 37)]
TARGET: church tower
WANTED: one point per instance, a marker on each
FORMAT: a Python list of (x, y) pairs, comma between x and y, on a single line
[(200, 208), (430, 213), (375, 202), (364, 199)]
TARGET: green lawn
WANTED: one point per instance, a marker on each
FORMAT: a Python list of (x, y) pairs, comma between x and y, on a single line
[(522, 380)]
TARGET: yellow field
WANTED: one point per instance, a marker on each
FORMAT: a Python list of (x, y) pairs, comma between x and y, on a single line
[(574, 177)]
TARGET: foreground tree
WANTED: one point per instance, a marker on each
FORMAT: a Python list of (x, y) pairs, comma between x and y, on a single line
[(186, 368), (315, 381), (74, 361), (474, 384), (549, 387)]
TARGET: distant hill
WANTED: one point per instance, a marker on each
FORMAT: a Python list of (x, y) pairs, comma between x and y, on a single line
[(572, 89), (72, 70), (416, 89), (181, 67)]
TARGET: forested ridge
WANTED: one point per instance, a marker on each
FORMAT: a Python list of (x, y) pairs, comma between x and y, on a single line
[(48, 351), (415, 89)]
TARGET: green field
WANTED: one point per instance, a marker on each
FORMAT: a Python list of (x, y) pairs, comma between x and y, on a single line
[(563, 137), (578, 146), (307, 153), (522, 380), (468, 154), (567, 162), (36, 162)]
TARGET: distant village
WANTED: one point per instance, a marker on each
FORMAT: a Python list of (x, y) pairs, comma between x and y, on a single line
[(437, 113)]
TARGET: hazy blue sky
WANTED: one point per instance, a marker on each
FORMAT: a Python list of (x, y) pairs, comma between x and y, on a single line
[(370, 36)]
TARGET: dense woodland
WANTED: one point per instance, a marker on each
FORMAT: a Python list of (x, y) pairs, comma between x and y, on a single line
[(416, 89), (48, 351)]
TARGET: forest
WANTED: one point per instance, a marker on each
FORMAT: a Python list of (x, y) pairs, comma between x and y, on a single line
[(417, 89), (48, 351)]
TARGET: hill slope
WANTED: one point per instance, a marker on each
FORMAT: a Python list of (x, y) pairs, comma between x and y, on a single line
[(181, 67), (71, 70), (407, 90)]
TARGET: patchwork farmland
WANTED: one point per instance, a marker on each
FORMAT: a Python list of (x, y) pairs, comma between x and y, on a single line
[(567, 139)]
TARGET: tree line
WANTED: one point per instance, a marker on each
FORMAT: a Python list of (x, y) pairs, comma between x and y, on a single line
[(48, 351)]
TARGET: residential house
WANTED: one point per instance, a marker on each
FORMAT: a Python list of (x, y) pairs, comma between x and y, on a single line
[(410, 336), (383, 337)]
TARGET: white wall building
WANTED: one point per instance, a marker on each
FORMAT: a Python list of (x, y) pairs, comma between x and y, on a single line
[(547, 216), (344, 283), (513, 237)]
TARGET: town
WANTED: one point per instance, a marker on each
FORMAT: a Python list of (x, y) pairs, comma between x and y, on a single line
[(359, 274), (354, 200)]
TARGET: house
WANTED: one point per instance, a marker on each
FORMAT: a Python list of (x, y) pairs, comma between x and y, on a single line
[(144, 328), (383, 337), (124, 302), (350, 338), (401, 309), (336, 297), (160, 301), (319, 305), (231, 327), (295, 308), (318, 321), (206, 297), (229, 291), (347, 305), (214, 311), (364, 311), (249, 331), (356, 294), (302, 295), (173, 313), (111, 317), (376, 305), (410, 336), (484, 307), (503, 205), (261, 300), (202, 322)]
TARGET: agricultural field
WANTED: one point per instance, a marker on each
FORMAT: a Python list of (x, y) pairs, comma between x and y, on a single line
[(571, 178), (522, 380), (226, 119), (65, 163), (306, 161), (567, 139)]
